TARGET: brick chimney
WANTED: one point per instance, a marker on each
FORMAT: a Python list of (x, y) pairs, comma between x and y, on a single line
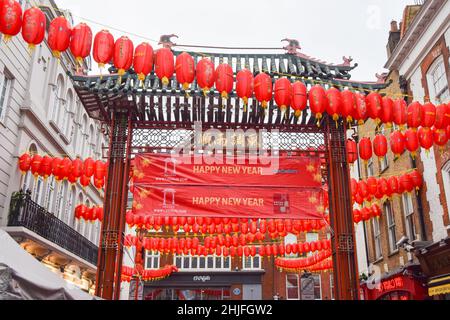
[(394, 38)]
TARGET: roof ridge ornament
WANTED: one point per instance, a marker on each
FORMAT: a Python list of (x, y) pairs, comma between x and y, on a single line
[(166, 40), (347, 61), (293, 46)]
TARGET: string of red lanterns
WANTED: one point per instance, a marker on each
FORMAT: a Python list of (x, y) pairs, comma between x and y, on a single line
[(299, 265), (91, 214), (65, 169), (147, 274)]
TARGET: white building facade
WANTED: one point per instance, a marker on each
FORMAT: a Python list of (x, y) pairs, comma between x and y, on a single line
[(41, 113)]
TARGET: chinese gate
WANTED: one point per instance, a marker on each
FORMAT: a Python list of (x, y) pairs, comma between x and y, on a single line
[(149, 117)]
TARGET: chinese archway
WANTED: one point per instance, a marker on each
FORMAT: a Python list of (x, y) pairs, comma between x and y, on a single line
[(158, 111)]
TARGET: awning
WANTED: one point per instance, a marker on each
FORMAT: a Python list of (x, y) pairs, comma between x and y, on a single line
[(439, 286)]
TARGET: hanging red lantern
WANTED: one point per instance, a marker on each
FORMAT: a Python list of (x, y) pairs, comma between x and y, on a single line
[(415, 115), (263, 89), (33, 27), (10, 18), (380, 146), (442, 119), (365, 214), (103, 48), (400, 115), (440, 139), (354, 187), (393, 184), (85, 181), (25, 163), (374, 106), (365, 149), (376, 211), (59, 36), (299, 98), (397, 143), (361, 113), (348, 105), (99, 170), (383, 187), (45, 169), (164, 65), (35, 164), (205, 75), (123, 55), (417, 179), (224, 80), (99, 183), (77, 168), (89, 167), (334, 106), (56, 167), (406, 182), (387, 112), (426, 139), (429, 115), (363, 189), (81, 42), (185, 70), (372, 185), (352, 152), (143, 60), (245, 85), (283, 94), (318, 102), (412, 142), (66, 167), (72, 179), (448, 132)]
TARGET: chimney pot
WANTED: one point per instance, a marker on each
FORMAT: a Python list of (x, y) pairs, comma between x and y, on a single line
[(394, 26)]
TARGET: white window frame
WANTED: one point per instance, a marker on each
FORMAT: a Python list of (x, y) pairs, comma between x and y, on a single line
[(370, 168), (51, 186), (408, 212), (38, 190), (190, 268), (5, 93), (248, 263), (290, 239), (439, 94), (288, 286), (391, 226), (377, 238), (317, 276), (152, 258), (311, 237)]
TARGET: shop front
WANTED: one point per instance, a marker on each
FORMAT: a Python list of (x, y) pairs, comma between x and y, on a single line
[(207, 286), (435, 262), (405, 284)]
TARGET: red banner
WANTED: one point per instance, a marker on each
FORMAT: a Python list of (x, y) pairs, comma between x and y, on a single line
[(282, 171), (217, 201)]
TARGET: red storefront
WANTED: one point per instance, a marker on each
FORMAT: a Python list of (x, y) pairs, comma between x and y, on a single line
[(406, 284)]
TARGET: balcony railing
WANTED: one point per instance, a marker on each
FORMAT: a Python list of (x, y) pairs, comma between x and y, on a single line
[(26, 213)]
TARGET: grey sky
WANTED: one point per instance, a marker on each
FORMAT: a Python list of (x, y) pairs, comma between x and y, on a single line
[(326, 29)]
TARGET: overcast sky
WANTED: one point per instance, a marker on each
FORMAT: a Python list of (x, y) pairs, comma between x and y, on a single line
[(326, 29)]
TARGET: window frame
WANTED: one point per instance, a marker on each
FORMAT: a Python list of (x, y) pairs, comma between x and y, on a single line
[(391, 226), (288, 286), (252, 263), (434, 84), (4, 106), (206, 260), (319, 284), (153, 256), (410, 226), (378, 249)]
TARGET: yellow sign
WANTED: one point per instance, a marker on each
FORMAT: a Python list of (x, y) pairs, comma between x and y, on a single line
[(444, 289)]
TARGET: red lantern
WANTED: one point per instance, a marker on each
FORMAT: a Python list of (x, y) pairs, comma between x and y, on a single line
[(393, 184), (400, 113), (380, 146), (77, 168), (205, 75), (407, 183), (334, 106), (245, 85), (25, 163), (318, 102), (429, 115), (103, 48), (374, 106), (376, 211), (164, 65), (89, 167), (45, 169), (299, 98), (35, 164), (85, 181), (448, 132), (387, 111), (440, 138), (99, 183), (372, 185), (185, 70), (415, 115), (442, 120), (397, 143), (363, 189), (365, 149), (412, 142), (426, 138), (143, 60), (123, 55), (283, 94), (99, 170), (361, 113), (81, 42), (33, 27), (354, 186), (59, 36), (348, 105), (263, 89), (56, 167), (383, 187), (66, 167), (352, 153), (224, 80), (365, 214), (417, 179), (10, 18)]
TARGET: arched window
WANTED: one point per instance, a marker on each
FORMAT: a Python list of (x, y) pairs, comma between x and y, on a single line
[(62, 194), (84, 142), (67, 123), (438, 82), (70, 207), (55, 99), (91, 140), (49, 199)]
